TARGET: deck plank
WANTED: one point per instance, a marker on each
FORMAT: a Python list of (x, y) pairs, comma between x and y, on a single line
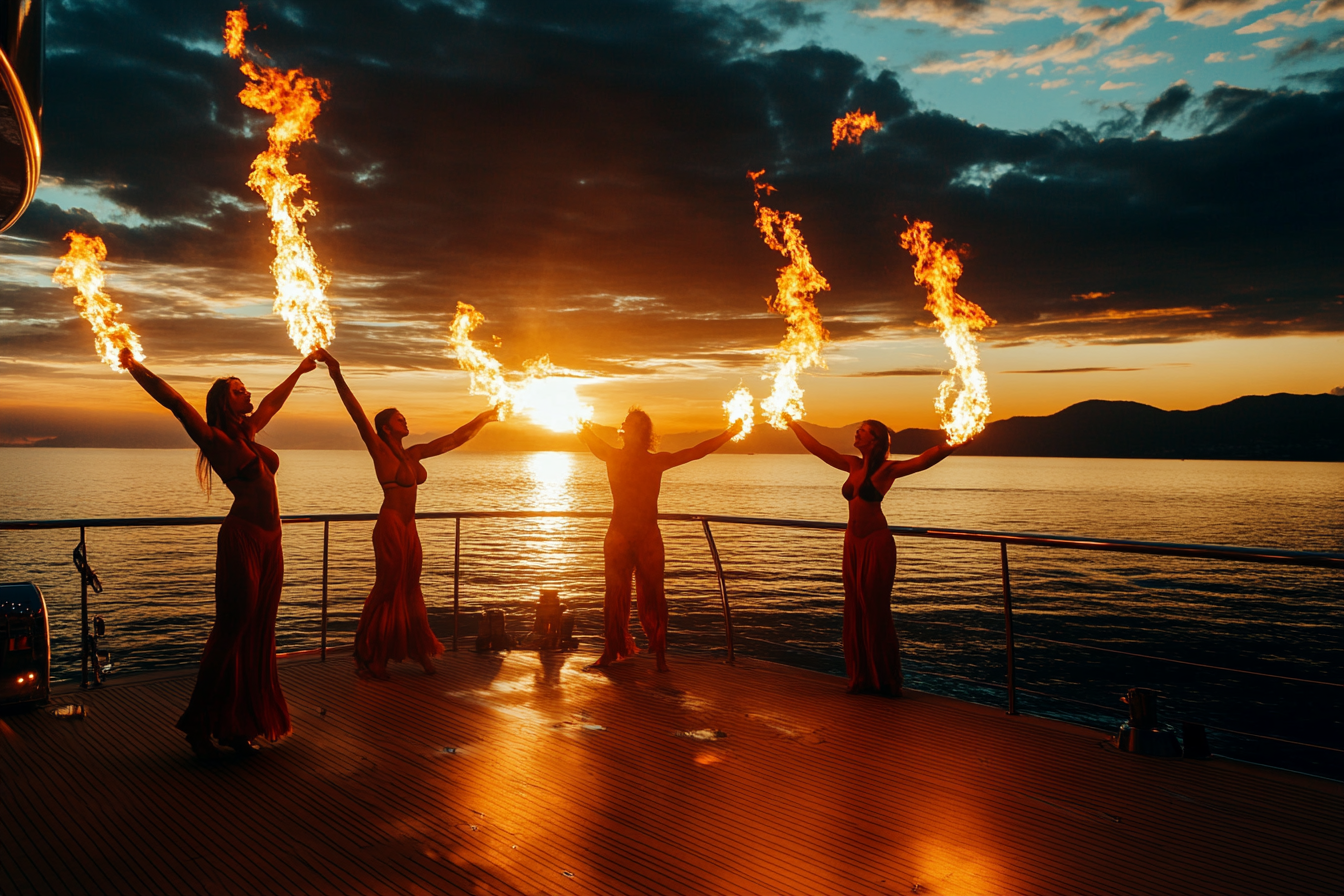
[(563, 780)]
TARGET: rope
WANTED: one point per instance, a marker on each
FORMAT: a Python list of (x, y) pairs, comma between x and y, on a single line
[(86, 574)]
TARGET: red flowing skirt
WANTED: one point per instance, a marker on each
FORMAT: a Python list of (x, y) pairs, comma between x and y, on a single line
[(872, 650), (238, 686), (394, 624), (643, 558)]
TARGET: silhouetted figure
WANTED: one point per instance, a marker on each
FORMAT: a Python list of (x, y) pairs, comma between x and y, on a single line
[(237, 695), (394, 624), (872, 650), (634, 545)]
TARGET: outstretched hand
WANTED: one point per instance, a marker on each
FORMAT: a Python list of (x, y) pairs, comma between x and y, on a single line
[(324, 356), (127, 359), (309, 362)]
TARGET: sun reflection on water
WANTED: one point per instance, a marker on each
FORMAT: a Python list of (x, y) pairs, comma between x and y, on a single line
[(551, 474)]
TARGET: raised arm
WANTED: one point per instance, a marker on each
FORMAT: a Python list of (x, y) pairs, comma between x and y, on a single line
[(348, 399), (695, 452), (595, 442), (166, 395), (455, 439), (826, 453), (271, 404), (921, 462)]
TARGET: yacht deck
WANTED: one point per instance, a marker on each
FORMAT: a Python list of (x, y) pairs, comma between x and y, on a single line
[(524, 773)]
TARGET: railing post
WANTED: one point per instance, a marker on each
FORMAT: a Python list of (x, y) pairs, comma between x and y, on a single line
[(1008, 628), (326, 537), (457, 567), (723, 589), (84, 613)]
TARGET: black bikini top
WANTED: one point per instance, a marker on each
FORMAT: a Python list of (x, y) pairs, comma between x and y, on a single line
[(252, 469), (867, 491)]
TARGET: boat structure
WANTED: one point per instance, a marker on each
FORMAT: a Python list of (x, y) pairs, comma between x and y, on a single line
[(531, 771)]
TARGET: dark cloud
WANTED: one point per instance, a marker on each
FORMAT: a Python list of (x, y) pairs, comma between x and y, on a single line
[(1167, 106), (577, 171), (1082, 370), (904, 371), (1311, 48)]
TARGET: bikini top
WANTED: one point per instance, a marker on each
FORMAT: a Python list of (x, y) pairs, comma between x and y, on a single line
[(251, 470), (420, 477), (867, 491)]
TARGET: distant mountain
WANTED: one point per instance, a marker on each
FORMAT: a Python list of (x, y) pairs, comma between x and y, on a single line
[(1254, 427)]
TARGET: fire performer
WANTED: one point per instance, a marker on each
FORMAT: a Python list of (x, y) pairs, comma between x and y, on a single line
[(872, 649), (394, 624), (237, 695), (634, 544)]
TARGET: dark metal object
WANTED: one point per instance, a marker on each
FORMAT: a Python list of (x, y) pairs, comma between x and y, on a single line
[(1143, 734), (21, 55), (326, 553), (25, 645), (723, 589), (457, 570), (492, 633)]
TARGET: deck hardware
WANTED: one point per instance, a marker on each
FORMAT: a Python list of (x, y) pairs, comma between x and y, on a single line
[(1143, 734), (1008, 629), (326, 553), (553, 627), (723, 589), (491, 633), (87, 579)]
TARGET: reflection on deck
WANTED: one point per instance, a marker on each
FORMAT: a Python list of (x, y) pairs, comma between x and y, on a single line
[(526, 774)]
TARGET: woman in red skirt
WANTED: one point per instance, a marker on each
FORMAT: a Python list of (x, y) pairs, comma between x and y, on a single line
[(237, 695), (394, 625), (872, 650)]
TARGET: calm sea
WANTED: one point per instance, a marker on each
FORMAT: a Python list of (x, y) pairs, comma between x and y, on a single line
[(784, 584)]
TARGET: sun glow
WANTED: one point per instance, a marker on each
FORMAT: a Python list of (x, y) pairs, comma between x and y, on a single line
[(938, 268), (295, 100), (539, 393), (81, 268)]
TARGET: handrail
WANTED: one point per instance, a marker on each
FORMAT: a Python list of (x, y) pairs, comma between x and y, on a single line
[(1317, 559), (1325, 559)]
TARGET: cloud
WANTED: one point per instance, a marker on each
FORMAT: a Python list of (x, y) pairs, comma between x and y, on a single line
[(1082, 370), (1056, 84), (1216, 57), (1112, 85), (1212, 13), (1087, 42), (1338, 390), (982, 17), (1310, 48), (1313, 12), (903, 371), (1272, 44), (577, 172), (1132, 57)]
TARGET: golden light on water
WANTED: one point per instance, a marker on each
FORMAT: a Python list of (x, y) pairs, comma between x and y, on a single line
[(850, 128), (551, 474), (796, 288), (295, 100), (963, 396), (539, 393), (82, 268)]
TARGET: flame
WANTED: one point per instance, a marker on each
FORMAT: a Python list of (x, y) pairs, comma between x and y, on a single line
[(739, 407), (798, 283), (81, 268), (851, 127), (939, 268), (545, 398), (295, 100)]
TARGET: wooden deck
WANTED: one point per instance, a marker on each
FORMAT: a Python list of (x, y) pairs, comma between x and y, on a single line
[(526, 774)]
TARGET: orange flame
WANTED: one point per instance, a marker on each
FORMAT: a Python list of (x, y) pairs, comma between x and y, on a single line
[(851, 127), (739, 407), (81, 268), (798, 283), (544, 397), (939, 268), (295, 100)]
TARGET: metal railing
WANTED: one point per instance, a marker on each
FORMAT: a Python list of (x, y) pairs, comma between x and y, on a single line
[(1276, 556)]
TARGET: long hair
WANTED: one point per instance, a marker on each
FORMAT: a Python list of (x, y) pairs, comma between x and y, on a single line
[(881, 448), (380, 420), (216, 415), (644, 439)]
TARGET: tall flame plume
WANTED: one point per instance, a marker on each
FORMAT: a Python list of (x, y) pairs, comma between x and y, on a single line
[(540, 395), (851, 127), (963, 396), (82, 268), (295, 100), (796, 288)]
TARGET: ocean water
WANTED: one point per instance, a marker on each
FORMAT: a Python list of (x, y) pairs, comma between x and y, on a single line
[(784, 585)]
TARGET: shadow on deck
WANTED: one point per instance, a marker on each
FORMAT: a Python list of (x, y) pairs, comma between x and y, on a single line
[(525, 773)]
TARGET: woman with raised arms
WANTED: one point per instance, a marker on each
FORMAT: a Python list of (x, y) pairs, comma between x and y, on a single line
[(872, 650), (237, 695), (394, 624), (634, 544)]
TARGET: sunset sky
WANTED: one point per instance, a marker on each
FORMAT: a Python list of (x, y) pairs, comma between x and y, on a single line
[(1151, 195)]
